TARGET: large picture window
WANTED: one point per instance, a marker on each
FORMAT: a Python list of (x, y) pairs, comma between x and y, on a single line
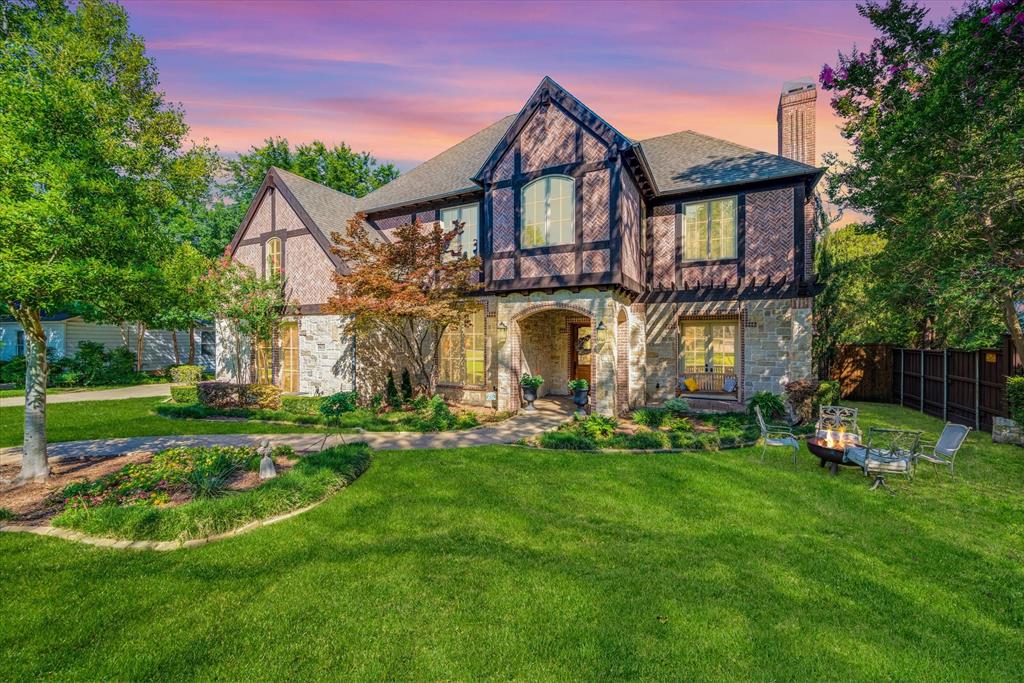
[(468, 242), (462, 352), (709, 230), (708, 354), (549, 212)]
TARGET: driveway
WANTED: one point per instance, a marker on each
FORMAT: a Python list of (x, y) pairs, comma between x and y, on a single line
[(139, 391)]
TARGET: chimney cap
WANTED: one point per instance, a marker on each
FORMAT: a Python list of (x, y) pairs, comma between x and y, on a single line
[(797, 85)]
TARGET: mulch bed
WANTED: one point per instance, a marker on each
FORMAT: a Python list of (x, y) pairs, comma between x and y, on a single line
[(36, 503)]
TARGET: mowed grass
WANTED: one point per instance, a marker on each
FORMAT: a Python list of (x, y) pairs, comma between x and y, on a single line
[(123, 417), (509, 563)]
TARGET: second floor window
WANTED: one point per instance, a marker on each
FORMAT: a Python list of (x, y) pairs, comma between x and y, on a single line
[(549, 212), (273, 264), (709, 230), (467, 243)]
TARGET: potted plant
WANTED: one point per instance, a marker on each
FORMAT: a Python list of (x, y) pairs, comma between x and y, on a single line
[(580, 389), (530, 383)]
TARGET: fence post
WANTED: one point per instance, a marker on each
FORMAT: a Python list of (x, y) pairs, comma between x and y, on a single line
[(945, 385), (977, 391), (920, 397), (903, 368)]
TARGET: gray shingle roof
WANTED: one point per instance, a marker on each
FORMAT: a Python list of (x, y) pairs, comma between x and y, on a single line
[(328, 208), (690, 161), (447, 173)]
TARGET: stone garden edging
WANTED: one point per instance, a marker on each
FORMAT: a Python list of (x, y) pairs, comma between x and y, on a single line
[(124, 544)]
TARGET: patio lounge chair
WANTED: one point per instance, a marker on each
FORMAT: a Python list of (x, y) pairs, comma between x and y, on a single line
[(775, 435), (887, 451), (943, 452)]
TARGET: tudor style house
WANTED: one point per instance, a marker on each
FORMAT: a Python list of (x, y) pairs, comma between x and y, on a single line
[(676, 265)]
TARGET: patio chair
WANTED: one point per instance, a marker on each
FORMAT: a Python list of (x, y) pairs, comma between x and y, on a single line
[(887, 451), (837, 419), (943, 451), (775, 435)]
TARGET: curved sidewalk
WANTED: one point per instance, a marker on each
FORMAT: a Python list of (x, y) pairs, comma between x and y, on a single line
[(549, 414)]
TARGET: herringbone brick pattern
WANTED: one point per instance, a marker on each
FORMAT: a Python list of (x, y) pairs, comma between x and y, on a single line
[(544, 265), (286, 218), (261, 219), (663, 240), (503, 269), (503, 230), (250, 255), (593, 149), (595, 206), (505, 167), (308, 271), (597, 261), (547, 140), (630, 229), (769, 228), (711, 274)]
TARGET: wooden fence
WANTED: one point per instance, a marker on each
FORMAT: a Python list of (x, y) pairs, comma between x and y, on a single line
[(967, 387)]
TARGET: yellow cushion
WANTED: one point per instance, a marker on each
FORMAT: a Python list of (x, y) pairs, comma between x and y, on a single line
[(691, 384)]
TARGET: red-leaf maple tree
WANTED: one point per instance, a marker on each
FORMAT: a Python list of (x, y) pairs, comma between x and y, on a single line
[(408, 288)]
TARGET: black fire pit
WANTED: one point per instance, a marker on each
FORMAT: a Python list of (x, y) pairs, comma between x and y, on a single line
[(830, 453)]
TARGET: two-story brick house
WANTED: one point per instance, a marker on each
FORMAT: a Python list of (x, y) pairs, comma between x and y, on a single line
[(677, 264)]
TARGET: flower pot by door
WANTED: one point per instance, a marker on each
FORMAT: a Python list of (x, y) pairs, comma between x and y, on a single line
[(580, 397), (529, 396)]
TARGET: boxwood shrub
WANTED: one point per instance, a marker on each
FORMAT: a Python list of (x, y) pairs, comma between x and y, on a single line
[(185, 394)]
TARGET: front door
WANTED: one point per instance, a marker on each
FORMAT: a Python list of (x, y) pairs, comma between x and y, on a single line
[(580, 351)]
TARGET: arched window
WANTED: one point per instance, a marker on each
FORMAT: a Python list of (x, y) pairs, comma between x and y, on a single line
[(273, 257), (549, 212)]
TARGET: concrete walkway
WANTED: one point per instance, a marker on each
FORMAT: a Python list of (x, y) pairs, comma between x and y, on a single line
[(549, 414), (139, 391)]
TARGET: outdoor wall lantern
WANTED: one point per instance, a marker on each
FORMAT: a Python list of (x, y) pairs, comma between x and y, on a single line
[(502, 332), (599, 333)]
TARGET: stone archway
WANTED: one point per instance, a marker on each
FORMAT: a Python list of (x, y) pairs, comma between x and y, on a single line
[(516, 350)]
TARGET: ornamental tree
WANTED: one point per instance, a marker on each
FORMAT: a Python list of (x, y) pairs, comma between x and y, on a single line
[(409, 289), (935, 115), (90, 161)]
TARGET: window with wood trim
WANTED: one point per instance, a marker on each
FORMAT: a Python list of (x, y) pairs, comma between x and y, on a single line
[(468, 242), (709, 230), (462, 352), (273, 257), (549, 212)]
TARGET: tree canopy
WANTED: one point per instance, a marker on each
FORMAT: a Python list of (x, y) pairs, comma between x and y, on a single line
[(935, 116)]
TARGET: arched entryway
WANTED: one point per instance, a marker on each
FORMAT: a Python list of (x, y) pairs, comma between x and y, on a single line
[(552, 340)]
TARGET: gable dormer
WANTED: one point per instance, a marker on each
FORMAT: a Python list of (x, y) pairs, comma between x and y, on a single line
[(560, 208)]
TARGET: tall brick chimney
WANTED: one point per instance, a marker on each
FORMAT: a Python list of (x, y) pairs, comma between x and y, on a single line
[(796, 121)]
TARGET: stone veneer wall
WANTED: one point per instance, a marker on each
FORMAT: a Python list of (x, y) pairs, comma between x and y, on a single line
[(775, 338), (325, 355)]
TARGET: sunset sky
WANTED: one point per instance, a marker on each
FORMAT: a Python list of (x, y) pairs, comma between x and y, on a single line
[(406, 80)]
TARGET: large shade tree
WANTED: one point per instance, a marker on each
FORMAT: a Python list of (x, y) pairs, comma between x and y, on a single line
[(935, 115), (91, 162)]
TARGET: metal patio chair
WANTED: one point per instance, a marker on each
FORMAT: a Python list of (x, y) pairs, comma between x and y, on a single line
[(837, 419), (775, 435), (887, 451), (943, 452)]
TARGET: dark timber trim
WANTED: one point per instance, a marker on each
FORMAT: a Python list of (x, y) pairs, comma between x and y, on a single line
[(798, 233)]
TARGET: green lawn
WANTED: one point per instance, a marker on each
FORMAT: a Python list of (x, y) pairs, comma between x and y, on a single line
[(509, 563), (124, 417)]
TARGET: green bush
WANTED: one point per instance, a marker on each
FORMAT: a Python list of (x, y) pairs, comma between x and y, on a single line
[(528, 381), (302, 405), (438, 416), (680, 424), (677, 406), (406, 385), (771, 404), (338, 404), (186, 394), (68, 378), (644, 439), (566, 440), (1015, 398), (13, 371), (595, 427), (313, 478), (265, 396), (829, 394), (578, 385), (6, 515), (391, 392), (650, 417), (186, 374), (684, 440)]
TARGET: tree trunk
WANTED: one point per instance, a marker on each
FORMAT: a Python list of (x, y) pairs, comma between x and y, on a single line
[(140, 345), (192, 345), (174, 343), (33, 458), (1013, 324), (124, 336)]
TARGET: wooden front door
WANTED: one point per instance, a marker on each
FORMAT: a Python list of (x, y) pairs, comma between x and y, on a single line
[(289, 336), (580, 351)]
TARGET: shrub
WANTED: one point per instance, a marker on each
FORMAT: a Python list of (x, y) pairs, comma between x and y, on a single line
[(680, 424), (645, 439), (265, 396), (566, 440), (1015, 398), (595, 427), (338, 404), (421, 402), (677, 406), (391, 392), (406, 385), (684, 440), (578, 385), (68, 378), (13, 372), (210, 474), (185, 394), (771, 404), (800, 395), (302, 405), (6, 515), (650, 417), (120, 368), (528, 381), (186, 374), (438, 416), (829, 394), (376, 401)]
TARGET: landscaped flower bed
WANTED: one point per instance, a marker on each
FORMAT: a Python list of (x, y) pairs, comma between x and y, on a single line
[(186, 493), (669, 427)]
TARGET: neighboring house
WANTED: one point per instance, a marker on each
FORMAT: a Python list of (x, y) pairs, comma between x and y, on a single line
[(65, 331), (681, 263)]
